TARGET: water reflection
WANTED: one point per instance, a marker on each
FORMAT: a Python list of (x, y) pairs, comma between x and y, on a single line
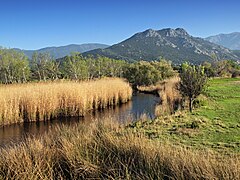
[(140, 104)]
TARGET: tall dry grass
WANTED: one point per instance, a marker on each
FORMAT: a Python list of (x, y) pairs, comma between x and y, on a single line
[(43, 101), (107, 151), (170, 96)]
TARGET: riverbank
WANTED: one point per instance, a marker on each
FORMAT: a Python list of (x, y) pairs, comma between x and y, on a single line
[(131, 111), (214, 124), (106, 150), (167, 91), (44, 101)]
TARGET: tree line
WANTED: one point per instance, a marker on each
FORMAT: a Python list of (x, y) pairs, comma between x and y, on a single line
[(15, 67)]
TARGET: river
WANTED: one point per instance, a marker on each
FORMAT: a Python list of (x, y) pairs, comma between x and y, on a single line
[(130, 111)]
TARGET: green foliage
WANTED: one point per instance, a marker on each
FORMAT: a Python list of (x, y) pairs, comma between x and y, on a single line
[(14, 67), (193, 80), (44, 67), (142, 73), (74, 67), (145, 73), (224, 68), (164, 67), (80, 68)]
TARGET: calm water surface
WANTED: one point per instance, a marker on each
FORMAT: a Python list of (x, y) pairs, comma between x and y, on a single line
[(139, 105)]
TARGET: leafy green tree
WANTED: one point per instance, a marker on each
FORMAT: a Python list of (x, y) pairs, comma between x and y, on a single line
[(192, 83), (44, 67), (78, 67), (14, 66), (53, 70), (148, 73), (164, 67), (224, 68), (142, 74), (108, 67), (75, 67), (209, 69)]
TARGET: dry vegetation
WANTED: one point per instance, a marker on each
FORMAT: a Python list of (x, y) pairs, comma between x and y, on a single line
[(170, 96), (107, 151), (43, 101)]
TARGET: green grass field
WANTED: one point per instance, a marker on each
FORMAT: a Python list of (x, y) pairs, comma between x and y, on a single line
[(214, 124)]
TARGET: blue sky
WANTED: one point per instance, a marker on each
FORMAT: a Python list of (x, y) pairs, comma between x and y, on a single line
[(33, 24)]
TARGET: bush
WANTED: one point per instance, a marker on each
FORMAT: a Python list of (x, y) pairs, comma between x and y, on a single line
[(192, 83), (145, 73)]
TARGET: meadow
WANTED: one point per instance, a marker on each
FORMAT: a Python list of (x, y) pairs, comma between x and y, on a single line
[(47, 100), (214, 123)]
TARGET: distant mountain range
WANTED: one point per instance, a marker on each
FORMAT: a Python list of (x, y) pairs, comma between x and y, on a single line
[(61, 51), (231, 41), (172, 44)]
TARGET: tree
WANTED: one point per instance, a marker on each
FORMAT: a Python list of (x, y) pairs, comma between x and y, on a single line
[(209, 69), (145, 73), (74, 67), (164, 67), (44, 67), (14, 66), (142, 73), (192, 83)]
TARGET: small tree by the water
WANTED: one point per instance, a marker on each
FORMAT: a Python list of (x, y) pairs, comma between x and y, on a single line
[(192, 83)]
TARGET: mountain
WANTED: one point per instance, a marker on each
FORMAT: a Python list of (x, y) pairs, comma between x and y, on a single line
[(172, 44), (231, 41), (61, 51), (236, 52)]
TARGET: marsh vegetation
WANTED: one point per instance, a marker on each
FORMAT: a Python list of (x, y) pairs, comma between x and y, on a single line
[(48, 100), (106, 150)]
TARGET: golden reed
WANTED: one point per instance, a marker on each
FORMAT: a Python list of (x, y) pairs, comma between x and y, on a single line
[(105, 150), (171, 98), (43, 101)]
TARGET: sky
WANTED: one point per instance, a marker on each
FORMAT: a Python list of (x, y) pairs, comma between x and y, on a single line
[(34, 24)]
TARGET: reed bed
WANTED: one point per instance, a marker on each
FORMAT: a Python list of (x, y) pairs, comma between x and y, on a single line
[(107, 151), (43, 101), (171, 99), (168, 91)]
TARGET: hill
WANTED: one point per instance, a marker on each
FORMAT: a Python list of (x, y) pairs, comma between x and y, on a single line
[(61, 51), (172, 44), (231, 41), (237, 52)]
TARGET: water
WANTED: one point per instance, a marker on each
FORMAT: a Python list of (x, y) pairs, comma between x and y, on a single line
[(131, 111)]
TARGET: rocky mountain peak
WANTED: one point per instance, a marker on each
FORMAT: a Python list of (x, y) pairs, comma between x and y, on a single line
[(181, 31), (151, 33), (169, 32), (172, 44)]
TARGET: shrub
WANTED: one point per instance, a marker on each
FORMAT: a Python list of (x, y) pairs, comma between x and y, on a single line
[(192, 83)]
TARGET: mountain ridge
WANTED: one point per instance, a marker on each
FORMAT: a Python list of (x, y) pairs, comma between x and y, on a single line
[(228, 40), (172, 44), (61, 51)]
